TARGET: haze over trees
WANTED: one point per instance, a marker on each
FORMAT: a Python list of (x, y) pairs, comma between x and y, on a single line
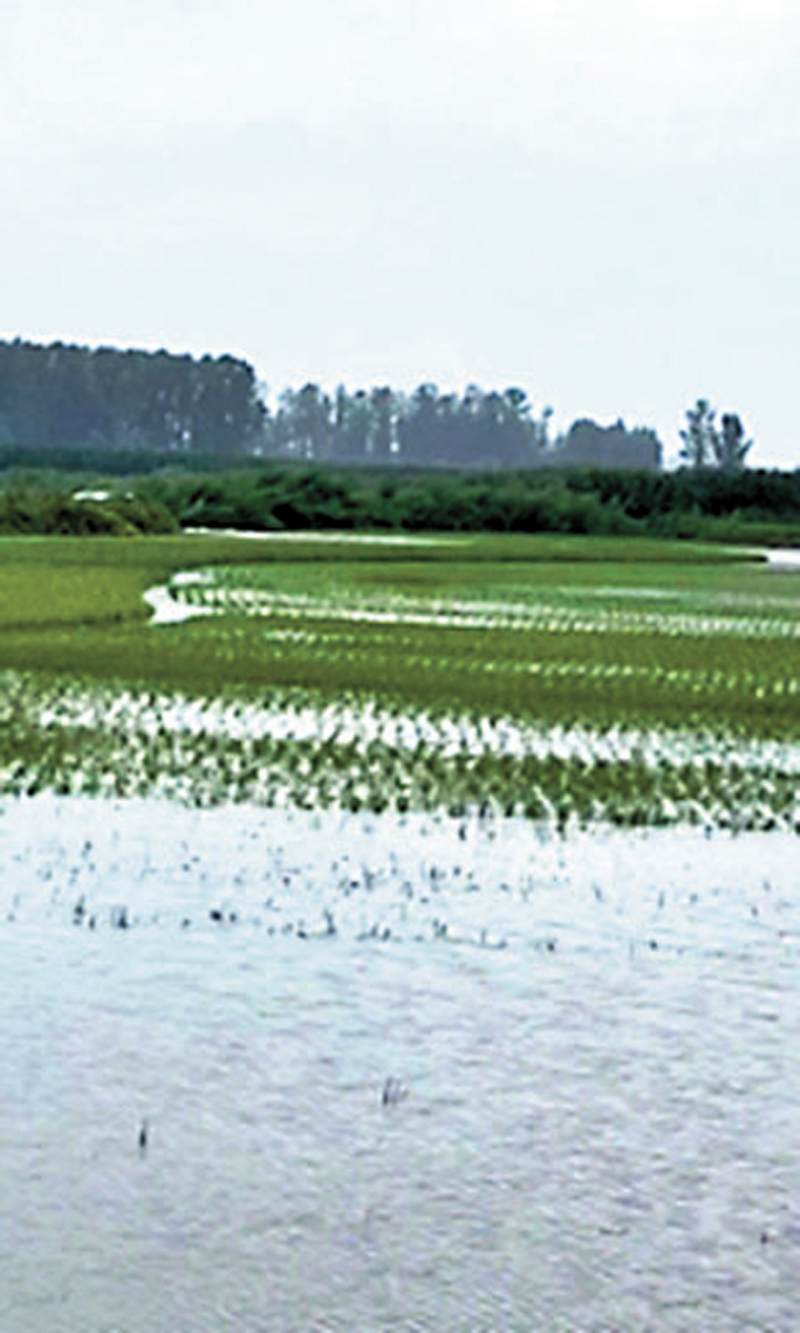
[(61, 397), (111, 401)]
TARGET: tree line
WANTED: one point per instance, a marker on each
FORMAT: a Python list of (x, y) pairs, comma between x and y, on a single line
[(478, 428), (67, 400), (58, 396), (61, 399)]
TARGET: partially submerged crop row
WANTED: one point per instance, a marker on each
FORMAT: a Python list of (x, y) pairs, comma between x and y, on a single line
[(294, 748), (746, 686), (717, 652), (493, 677), (231, 593)]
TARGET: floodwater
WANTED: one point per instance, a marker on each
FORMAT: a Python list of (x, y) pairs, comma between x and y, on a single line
[(394, 1074)]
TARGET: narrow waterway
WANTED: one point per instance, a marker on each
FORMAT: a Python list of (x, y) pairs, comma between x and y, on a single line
[(393, 1074)]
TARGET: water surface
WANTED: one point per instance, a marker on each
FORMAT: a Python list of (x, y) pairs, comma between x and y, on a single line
[(594, 1039)]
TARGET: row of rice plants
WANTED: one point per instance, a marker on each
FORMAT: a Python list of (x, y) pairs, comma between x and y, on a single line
[(485, 596), (728, 663), (203, 593), (300, 749), (571, 707), (749, 684)]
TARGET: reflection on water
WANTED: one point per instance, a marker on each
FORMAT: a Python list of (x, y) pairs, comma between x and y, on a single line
[(596, 1040)]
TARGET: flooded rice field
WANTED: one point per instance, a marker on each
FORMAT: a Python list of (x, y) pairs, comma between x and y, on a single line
[(271, 1070)]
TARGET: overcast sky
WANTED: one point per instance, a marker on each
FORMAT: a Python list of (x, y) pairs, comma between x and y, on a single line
[(597, 201)]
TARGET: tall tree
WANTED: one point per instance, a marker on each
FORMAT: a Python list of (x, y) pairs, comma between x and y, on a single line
[(707, 445), (383, 414), (417, 428), (305, 422), (730, 447), (700, 435), (351, 421)]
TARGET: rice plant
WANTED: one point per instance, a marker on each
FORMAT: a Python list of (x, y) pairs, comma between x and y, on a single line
[(565, 690)]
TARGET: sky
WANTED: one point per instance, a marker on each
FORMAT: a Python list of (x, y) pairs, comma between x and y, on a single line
[(597, 202)]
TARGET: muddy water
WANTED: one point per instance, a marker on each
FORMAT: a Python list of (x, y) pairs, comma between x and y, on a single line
[(593, 1044)]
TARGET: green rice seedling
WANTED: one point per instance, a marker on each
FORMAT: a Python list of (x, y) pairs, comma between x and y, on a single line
[(296, 748), (507, 680)]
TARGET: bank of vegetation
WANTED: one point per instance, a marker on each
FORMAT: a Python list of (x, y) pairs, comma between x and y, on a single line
[(752, 506), (749, 506), (45, 507)]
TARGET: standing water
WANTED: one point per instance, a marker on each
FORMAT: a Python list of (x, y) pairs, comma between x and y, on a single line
[(272, 1071)]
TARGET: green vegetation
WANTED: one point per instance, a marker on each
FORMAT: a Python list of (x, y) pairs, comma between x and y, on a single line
[(50, 509), (740, 507), (693, 504), (557, 677)]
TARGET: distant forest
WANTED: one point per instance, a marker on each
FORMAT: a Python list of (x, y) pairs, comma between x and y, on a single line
[(80, 403)]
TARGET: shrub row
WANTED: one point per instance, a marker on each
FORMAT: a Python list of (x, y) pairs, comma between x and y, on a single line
[(756, 507), (47, 512), (685, 504)]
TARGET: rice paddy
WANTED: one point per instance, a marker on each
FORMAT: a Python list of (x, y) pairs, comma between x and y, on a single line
[(367, 909), (571, 682)]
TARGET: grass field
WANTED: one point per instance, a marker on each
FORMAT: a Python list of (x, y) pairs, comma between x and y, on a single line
[(564, 678)]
